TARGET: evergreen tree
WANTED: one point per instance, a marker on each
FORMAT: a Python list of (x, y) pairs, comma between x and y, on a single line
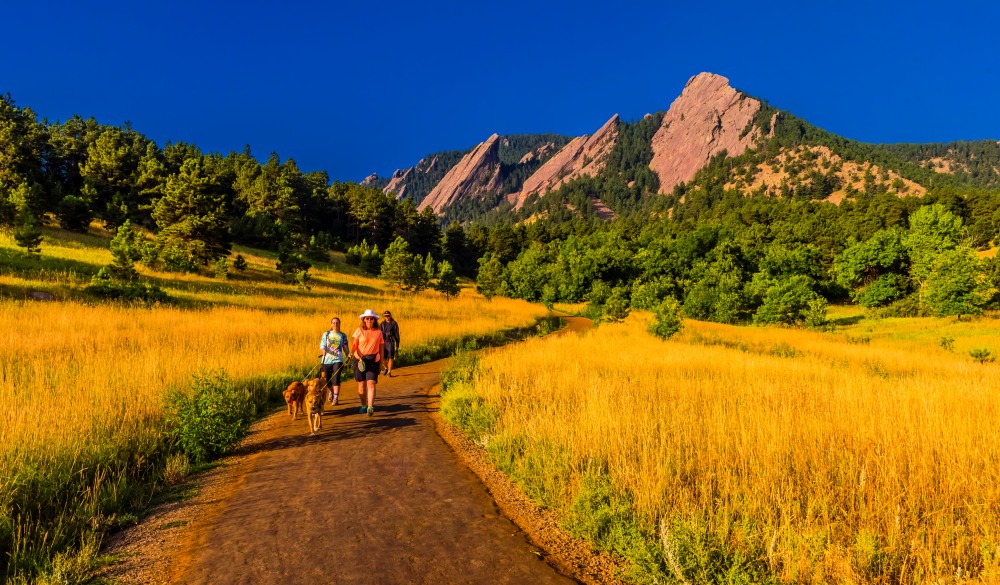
[(430, 267), (490, 281), (397, 262), (74, 214), (191, 216), (447, 283), (29, 234), (126, 250), (456, 250)]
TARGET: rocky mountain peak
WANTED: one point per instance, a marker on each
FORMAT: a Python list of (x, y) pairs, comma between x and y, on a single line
[(477, 173), (584, 155), (708, 117)]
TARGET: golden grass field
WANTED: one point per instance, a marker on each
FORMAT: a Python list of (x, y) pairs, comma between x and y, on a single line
[(866, 454), (82, 385)]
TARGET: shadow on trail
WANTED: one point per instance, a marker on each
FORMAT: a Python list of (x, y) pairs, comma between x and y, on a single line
[(332, 432)]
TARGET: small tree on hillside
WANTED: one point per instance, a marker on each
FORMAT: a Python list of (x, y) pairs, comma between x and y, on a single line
[(402, 268), (489, 281), (292, 266), (447, 283), (126, 250), (397, 262), (666, 319), (29, 234)]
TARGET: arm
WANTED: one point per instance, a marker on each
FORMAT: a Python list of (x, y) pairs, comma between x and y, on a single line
[(354, 346)]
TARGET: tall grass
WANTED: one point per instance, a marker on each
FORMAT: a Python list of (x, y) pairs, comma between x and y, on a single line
[(732, 454), (83, 385)]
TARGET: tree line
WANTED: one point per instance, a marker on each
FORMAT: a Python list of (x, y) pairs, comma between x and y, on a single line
[(198, 205)]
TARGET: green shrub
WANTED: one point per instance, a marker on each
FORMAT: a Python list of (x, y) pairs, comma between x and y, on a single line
[(74, 214), (210, 417), (104, 286), (240, 263), (982, 355), (666, 319), (221, 268)]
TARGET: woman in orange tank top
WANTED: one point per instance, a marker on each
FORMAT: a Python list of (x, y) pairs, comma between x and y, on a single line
[(366, 347)]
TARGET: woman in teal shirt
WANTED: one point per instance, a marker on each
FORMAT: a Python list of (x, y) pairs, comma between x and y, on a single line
[(333, 345)]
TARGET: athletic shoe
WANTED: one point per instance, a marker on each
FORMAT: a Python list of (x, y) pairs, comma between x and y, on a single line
[(388, 374), (371, 410), (362, 410), (336, 401)]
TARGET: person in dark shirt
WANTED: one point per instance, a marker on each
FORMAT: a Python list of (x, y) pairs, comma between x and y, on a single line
[(390, 332)]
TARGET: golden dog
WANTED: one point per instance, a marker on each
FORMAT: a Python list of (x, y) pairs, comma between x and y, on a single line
[(294, 395), (315, 398)]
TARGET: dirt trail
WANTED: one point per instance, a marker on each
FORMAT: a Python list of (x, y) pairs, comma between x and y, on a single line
[(368, 500)]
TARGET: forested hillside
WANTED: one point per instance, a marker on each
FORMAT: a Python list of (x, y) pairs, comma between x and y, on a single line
[(801, 219)]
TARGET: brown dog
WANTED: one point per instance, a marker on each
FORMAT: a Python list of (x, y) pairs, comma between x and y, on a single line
[(315, 397), (294, 395)]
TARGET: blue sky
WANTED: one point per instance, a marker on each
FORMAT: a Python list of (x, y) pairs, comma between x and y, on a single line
[(361, 87)]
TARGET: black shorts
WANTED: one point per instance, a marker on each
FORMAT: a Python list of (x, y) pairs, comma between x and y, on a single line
[(389, 351), (371, 369), (332, 372)]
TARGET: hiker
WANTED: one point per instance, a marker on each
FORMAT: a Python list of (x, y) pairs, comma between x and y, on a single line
[(390, 333), (333, 345), (366, 347)]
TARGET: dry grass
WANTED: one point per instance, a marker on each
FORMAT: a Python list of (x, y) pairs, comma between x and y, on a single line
[(866, 455), (82, 385)]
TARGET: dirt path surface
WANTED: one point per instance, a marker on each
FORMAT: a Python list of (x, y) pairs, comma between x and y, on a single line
[(367, 500)]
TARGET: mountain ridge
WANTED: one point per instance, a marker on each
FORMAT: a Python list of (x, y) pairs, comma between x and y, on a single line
[(709, 119)]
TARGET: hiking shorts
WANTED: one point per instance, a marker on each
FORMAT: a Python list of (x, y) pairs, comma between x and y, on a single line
[(332, 372), (371, 369), (389, 351)]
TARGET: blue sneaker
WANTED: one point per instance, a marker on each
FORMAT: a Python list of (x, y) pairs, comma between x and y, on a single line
[(362, 410)]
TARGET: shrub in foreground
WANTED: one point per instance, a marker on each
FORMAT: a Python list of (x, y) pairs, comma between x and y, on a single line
[(210, 417)]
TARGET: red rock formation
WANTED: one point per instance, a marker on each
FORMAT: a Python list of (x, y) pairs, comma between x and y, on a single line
[(478, 172), (708, 117), (584, 155), (369, 180), (397, 183)]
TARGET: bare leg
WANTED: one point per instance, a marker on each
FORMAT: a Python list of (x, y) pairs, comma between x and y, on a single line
[(388, 366), (336, 395), (371, 393)]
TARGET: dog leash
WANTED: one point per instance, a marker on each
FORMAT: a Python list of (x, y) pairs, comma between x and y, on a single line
[(310, 374)]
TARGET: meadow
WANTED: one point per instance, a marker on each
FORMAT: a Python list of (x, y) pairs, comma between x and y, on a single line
[(866, 453), (84, 384)]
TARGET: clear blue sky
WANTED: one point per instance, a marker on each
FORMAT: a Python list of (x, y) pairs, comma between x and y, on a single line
[(357, 87)]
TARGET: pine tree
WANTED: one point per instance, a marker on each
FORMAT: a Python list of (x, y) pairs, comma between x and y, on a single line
[(191, 216), (29, 234), (126, 250), (397, 262), (447, 283), (489, 281)]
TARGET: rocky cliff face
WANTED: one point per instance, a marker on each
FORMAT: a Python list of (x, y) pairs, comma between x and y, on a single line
[(708, 117), (477, 173), (583, 156), (397, 183)]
